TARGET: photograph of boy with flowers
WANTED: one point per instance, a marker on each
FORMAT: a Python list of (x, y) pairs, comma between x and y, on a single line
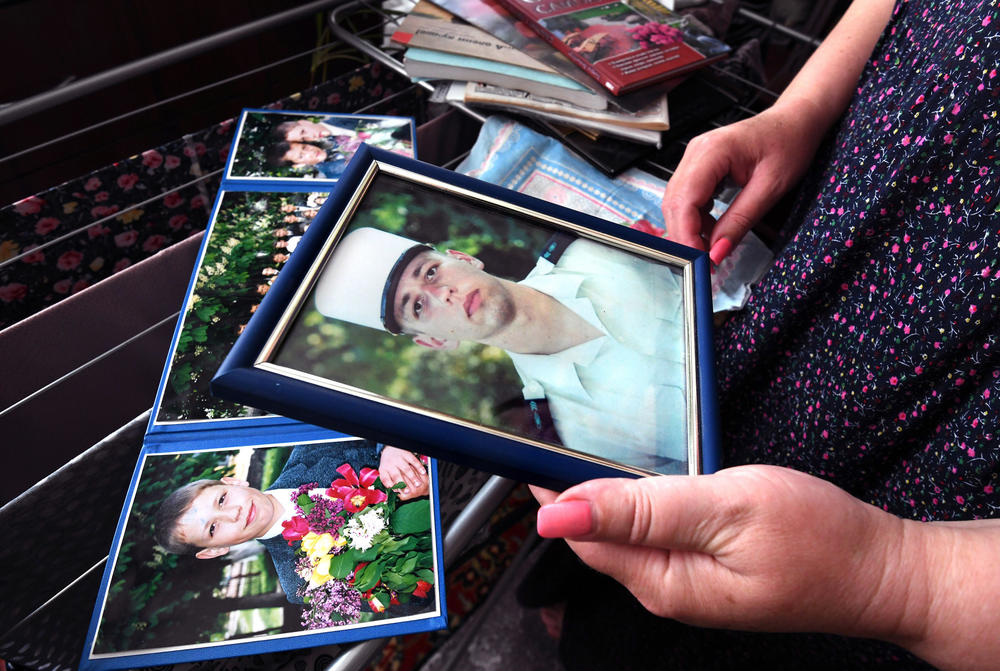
[(316, 538)]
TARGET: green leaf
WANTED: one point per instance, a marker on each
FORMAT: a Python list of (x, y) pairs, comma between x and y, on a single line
[(412, 518), (369, 577), (408, 565), (341, 565), (426, 575)]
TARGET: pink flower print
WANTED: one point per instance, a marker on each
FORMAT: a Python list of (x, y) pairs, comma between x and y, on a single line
[(948, 138), (960, 499), (985, 272), (333, 99), (983, 171), (34, 257), (173, 199), (972, 309), (29, 205), (198, 202), (986, 22), (126, 239), (956, 109), (103, 210), (920, 98), (97, 231), (171, 162), (62, 286), (177, 221), (92, 184), (46, 225), (153, 243), (122, 264), (69, 260), (14, 291), (918, 370), (152, 159), (905, 141), (127, 181), (79, 285), (101, 196)]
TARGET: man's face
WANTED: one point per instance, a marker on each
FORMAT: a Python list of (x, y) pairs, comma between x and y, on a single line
[(450, 298), (304, 130), (300, 154), (226, 514)]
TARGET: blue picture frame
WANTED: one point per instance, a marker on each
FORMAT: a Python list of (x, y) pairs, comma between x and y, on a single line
[(270, 369)]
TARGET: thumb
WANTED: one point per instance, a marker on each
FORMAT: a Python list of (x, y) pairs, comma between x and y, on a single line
[(671, 512), (748, 207)]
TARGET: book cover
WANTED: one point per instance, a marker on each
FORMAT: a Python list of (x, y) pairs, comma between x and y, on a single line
[(436, 65), (430, 27), (624, 45), (655, 116), (244, 531)]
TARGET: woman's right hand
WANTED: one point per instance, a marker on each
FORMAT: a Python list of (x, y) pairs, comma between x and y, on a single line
[(765, 154)]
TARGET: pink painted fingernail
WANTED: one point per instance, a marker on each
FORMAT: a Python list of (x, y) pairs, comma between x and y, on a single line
[(568, 519), (720, 250)]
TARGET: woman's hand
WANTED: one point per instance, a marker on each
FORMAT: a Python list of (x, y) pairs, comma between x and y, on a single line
[(753, 547), (765, 154), (397, 466)]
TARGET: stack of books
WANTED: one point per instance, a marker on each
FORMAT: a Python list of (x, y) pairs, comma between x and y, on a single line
[(603, 68)]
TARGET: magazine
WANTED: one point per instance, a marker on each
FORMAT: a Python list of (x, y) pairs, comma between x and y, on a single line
[(624, 45)]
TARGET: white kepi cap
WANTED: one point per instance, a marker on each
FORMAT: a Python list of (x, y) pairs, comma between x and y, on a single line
[(359, 281)]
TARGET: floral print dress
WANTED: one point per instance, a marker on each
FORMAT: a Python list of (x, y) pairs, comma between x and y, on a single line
[(869, 353)]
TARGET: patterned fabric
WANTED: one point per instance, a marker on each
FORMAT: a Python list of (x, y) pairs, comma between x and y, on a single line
[(61, 241), (869, 354)]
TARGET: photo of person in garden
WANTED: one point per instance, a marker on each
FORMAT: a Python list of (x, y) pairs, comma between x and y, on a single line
[(250, 239), (299, 537), (593, 332), (299, 145)]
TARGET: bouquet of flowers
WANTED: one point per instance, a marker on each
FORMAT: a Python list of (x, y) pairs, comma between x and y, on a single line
[(656, 34), (358, 546)]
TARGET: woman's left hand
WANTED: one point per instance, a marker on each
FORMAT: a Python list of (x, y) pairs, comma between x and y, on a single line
[(752, 547)]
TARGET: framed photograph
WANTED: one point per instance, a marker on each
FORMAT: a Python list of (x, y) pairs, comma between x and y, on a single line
[(279, 147), (238, 549), (430, 310)]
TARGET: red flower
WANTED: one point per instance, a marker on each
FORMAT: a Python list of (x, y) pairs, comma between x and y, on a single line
[(33, 257), (97, 231), (646, 227), (198, 201), (171, 162), (294, 529), (423, 587), (173, 199), (127, 181), (46, 225), (355, 491), (154, 242), (152, 159), (101, 196), (30, 205), (177, 221), (103, 210), (93, 184), (80, 285), (62, 286), (122, 264), (69, 260), (126, 239), (13, 292)]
